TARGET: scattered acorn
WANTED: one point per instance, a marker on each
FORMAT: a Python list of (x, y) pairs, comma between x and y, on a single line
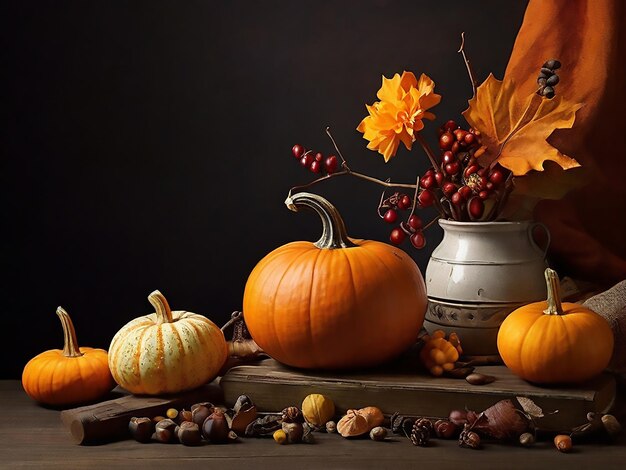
[(141, 429), (611, 425), (563, 443), (378, 433), (294, 431), (476, 378), (527, 439)]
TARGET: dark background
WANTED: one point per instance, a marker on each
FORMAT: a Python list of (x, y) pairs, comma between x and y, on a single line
[(146, 145)]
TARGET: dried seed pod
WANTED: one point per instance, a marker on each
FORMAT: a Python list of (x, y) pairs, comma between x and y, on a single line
[(469, 438), (308, 438), (184, 415), (189, 434), (552, 64), (553, 80), (611, 425), (215, 429), (331, 427), (527, 439), (548, 92), (378, 433), (401, 424), (479, 379), (242, 419), (141, 429), (445, 429), (294, 432), (292, 414), (263, 426), (242, 402), (563, 443)]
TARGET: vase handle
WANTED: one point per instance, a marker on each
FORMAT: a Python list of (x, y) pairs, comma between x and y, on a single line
[(531, 229)]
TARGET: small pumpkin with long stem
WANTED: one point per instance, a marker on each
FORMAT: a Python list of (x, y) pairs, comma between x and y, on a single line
[(337, 303), (69, 376), (166, 351), (553, 341)]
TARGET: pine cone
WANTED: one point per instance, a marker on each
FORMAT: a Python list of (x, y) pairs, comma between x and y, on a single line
[(421, 431), (469, 438), (292, 414)]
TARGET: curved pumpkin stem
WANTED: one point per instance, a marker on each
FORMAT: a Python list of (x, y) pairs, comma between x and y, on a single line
[(334, 233), (554, 293), (70, 344), (162, 308)]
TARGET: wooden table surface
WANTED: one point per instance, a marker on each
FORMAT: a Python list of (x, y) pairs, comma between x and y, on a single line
[(33, 437)]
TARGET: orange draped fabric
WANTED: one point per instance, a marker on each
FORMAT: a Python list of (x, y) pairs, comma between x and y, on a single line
[(588, 225)]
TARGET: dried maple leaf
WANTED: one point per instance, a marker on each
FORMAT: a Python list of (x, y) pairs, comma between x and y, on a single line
[(515, 133)]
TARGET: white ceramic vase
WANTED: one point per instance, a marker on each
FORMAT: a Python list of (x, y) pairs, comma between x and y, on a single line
[(478, 274)]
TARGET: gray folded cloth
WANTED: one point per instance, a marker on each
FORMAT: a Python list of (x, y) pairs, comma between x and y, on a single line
[(611, 304)]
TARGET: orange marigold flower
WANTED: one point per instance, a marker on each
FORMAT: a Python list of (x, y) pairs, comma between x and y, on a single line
[(398, 115)]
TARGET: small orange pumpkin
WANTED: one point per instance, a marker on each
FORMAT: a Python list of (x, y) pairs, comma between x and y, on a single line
[(69, 376), (336, 303), (553, 342)]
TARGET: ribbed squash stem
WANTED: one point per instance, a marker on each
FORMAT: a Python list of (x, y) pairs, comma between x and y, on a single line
[(70, 344), (554, 293), (334, 233), (162, 308)]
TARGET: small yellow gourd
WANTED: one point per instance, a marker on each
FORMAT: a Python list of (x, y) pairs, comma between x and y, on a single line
[(439, 354), (317, 409)]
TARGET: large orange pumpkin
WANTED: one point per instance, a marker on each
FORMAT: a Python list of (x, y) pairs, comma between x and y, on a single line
[(553, 342), (336, 303)]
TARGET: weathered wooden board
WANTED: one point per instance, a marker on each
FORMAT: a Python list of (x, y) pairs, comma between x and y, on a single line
[(108, 420), (273, 386)]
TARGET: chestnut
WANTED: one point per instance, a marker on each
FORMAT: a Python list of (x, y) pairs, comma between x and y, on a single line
[(188, 433), (215, 428), (141, 428)]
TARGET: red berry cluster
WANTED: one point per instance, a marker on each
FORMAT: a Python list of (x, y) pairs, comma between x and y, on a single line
[(459, 183), (315, 161), (412, 227)]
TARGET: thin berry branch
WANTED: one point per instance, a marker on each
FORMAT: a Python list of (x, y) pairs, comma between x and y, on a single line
[(344, 164), (427, 149), (468, 66)]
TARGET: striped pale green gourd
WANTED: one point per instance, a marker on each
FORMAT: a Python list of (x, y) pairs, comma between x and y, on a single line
[(166, 351)]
